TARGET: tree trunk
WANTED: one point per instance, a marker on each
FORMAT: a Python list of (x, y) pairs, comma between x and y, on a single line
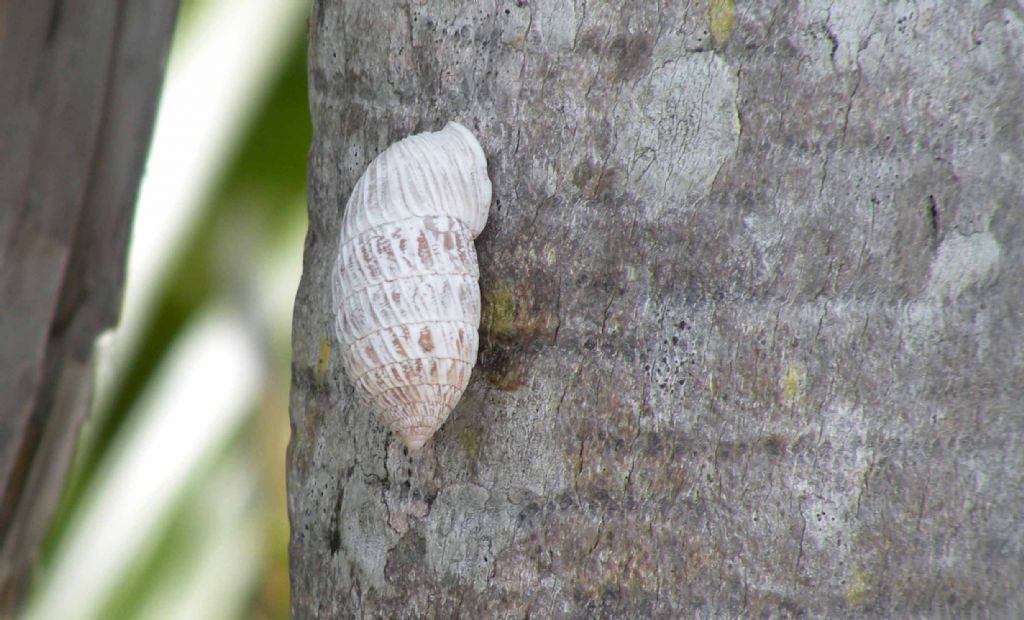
[(80, 81), (750, 340)]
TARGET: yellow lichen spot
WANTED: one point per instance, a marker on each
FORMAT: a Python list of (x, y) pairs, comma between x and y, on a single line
[(511, 381), (498, 313), (469, 439), (722, 17), (857, 593), (323, 360), (550, 255), (792, 383)]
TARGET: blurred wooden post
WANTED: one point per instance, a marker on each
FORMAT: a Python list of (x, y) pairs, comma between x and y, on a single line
[(79, 83)]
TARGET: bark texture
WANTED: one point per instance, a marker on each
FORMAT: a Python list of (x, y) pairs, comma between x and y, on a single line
[(80, 81), (751, 340)]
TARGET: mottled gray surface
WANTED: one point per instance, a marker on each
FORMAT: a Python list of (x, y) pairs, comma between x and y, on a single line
[(751, 342)]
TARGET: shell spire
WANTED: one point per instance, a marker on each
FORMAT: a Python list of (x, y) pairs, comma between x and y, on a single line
[(405, 284)]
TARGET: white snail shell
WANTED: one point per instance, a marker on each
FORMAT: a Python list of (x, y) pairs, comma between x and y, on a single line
[(405, 281)]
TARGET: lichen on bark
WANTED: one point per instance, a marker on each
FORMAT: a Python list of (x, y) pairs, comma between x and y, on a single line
[(752, 345)]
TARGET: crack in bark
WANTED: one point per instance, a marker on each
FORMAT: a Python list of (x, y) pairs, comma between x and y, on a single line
[(334, 535), (597, 537), (579, 470), (800, 551)]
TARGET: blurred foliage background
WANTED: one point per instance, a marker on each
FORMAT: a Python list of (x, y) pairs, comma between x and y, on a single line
[(176, 504)]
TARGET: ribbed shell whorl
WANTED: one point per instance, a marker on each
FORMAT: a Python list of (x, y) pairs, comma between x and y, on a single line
[(405, 282)]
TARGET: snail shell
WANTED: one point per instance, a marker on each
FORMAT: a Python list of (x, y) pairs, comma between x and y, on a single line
[(405, 281)]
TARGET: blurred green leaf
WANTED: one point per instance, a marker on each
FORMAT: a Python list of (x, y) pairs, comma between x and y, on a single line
[(260, 185), (253, 211)]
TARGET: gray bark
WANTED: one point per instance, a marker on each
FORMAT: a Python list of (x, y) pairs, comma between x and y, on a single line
[(751, 340), (80, 81)]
